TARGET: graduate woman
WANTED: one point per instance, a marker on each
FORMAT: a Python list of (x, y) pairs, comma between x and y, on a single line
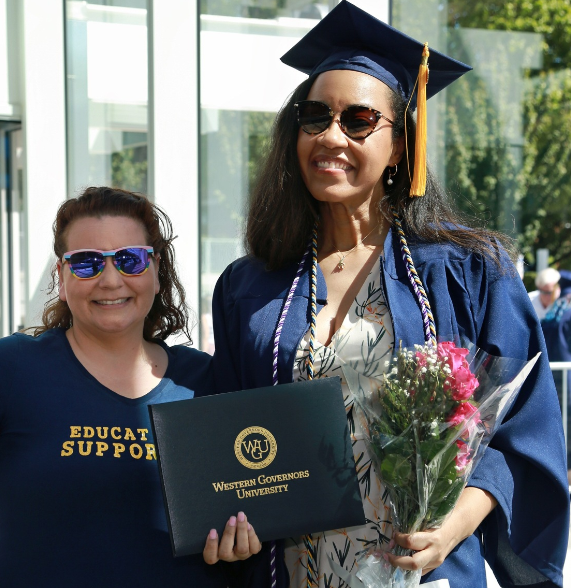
[(80, 495), (352, 250)]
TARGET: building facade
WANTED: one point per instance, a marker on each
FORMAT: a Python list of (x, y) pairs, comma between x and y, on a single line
[(175, 98)]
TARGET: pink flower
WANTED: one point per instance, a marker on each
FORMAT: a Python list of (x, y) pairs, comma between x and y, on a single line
[(462, 413), (462, 383), (463, 457), (455, 356)]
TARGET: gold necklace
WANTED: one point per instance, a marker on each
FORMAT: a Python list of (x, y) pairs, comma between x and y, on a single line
[(342, 256)]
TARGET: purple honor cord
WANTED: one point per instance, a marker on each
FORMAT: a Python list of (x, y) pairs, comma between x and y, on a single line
[(308, 540), (283, 315)]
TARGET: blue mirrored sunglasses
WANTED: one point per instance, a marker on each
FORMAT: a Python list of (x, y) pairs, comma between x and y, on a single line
[(86, 264)]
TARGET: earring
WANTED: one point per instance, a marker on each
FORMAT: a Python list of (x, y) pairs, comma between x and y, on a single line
[(391, 175)]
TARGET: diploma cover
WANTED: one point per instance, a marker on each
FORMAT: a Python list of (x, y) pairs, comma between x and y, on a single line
[(282, 454)]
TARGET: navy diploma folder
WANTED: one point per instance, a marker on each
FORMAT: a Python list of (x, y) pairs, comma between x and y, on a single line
[(282, 454)]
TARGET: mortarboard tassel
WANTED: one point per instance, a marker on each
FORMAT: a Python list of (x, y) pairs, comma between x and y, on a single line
[(418, 186)]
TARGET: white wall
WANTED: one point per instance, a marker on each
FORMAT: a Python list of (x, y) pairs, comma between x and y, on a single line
[(227, 83), (173, 130), (9, 61), (43, 119)]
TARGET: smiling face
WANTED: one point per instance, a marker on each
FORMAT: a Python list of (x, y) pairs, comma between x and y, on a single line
[(112, 302), (337, 169)]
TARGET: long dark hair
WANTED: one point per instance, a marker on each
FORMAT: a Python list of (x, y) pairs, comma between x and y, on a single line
[(169, 313), (282, 211)]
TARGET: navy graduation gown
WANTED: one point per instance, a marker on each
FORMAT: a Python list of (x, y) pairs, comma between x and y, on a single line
[(525, 538)]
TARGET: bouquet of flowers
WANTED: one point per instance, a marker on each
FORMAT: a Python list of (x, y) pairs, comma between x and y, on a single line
[(427, 421)]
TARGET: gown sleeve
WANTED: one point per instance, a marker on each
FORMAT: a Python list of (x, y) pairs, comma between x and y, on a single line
[(524, 468), (226, 336)]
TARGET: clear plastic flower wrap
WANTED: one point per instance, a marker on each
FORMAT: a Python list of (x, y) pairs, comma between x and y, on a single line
[(427, 421)]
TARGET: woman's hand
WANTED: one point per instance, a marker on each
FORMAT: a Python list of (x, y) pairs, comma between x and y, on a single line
[(239, 541), (432, 546)]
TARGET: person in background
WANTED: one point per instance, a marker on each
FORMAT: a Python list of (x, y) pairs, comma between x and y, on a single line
[(80, 496), (556, 326), (350, 255), (548, 291)]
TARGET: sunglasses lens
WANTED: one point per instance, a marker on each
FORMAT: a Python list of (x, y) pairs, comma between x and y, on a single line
[(86, 264), (358, 121), (132, 261), (313, 117)]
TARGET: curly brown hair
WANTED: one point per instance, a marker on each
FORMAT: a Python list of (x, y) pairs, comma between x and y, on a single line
[(282, 211), (169, 313)]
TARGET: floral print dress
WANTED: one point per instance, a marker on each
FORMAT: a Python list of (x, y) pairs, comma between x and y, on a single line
[(365, 341)]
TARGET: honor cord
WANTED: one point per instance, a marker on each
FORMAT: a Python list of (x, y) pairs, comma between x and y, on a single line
[(416, 282), (307, 539)]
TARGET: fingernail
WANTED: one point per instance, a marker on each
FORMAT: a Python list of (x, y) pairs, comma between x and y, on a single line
[(241, 517), (249, 527), (391, 544), (232, 521), (386, 556), (213, 534)]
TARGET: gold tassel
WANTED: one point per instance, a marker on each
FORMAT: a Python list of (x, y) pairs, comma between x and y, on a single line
[(418, 186)]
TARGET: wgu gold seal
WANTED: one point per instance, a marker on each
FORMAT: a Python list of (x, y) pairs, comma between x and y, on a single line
[(255, 448)]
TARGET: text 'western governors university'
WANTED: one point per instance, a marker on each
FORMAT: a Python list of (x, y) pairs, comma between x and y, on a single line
[(249, 489)]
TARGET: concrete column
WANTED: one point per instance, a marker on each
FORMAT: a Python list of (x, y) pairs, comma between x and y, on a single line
[(44, 135), (174, 130)]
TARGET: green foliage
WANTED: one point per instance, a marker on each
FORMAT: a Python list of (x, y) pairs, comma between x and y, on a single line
[(520, 186), (529, 281), (449, 500), (551, 18), (129, 169), (413, 444), (546, 174), (230, 155), (258, 132), (396, 469), (479, 164)]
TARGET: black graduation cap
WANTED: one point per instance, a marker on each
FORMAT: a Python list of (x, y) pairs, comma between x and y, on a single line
[(350, 38)]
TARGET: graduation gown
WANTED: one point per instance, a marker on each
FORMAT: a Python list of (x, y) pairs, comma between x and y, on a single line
[(525, 538)]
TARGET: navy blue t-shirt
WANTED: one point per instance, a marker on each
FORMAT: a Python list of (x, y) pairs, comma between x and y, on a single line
[(80, 496)]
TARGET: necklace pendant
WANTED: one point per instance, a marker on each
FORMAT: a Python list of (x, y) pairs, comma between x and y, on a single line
[(340, 265)]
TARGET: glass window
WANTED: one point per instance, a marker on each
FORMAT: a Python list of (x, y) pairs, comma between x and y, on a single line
[(107, 90), (241, 91), (501, 144), (13, 236), (498, 138)]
